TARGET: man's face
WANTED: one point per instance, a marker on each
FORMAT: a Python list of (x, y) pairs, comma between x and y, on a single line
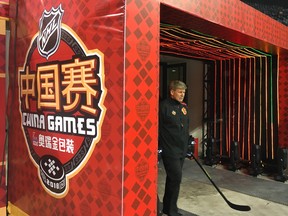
[(178, 94)]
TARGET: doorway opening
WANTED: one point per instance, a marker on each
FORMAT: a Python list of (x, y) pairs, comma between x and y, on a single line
[(171, 71)]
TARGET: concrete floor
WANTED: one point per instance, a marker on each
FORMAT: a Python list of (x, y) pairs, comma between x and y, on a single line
[(198, 196)]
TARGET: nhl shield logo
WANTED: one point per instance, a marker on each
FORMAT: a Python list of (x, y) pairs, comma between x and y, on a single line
[(49, 32)]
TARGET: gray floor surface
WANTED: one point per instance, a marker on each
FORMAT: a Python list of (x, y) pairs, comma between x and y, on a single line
[(198, 196)]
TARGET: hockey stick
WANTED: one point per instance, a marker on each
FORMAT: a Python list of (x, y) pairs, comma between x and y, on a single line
[(232, 205)]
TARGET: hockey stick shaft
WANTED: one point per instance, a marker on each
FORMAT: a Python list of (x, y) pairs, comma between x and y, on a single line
[(232, 205)]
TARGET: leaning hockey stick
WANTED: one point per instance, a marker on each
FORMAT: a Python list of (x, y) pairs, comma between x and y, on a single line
[(232, 205)]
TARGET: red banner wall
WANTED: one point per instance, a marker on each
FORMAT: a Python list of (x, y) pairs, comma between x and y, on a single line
[(108, 166), (93, 169), (141, 107), (83, 144)]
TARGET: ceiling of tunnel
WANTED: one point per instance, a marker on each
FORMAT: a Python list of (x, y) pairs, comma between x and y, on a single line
[(185, 35), (175, 40)]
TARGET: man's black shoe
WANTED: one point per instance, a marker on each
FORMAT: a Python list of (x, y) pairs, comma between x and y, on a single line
[(179, 214)]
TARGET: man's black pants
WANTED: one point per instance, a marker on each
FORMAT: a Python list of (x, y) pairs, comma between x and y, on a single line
[(173, 168)]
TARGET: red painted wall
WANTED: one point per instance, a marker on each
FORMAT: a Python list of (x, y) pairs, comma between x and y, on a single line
[(283, 100), (4, 10)]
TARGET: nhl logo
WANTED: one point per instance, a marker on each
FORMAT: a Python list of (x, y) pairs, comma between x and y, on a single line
[(49, 32)]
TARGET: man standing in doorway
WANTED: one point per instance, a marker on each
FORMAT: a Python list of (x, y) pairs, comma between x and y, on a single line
[(173, 140)]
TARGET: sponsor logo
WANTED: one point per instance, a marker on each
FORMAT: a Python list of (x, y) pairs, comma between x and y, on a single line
[(61, 93)]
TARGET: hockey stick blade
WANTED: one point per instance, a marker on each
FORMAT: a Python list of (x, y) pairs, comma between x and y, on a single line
[(232, 205)]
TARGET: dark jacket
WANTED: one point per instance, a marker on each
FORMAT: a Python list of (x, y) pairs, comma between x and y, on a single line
[(173, 128)]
